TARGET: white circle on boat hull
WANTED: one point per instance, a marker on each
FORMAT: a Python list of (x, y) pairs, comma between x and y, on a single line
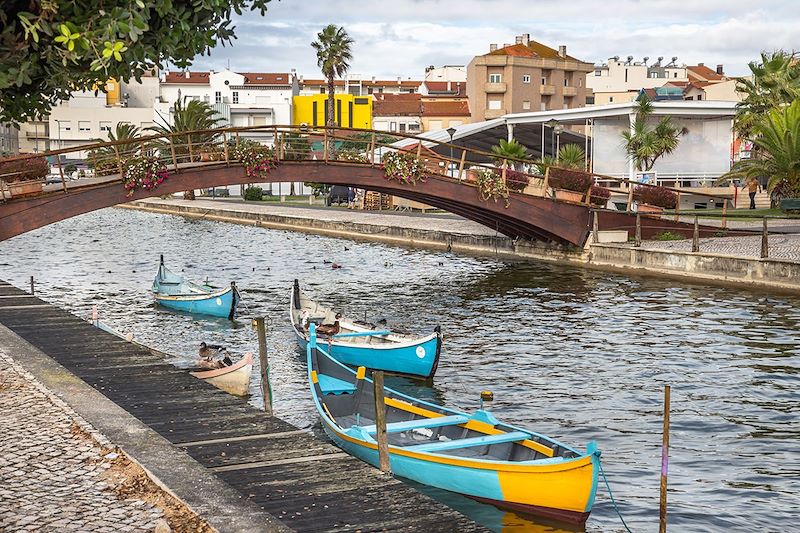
[(420, 352), (219, 301)]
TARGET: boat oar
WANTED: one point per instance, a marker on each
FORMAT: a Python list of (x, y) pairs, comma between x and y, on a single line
[(362, 334)]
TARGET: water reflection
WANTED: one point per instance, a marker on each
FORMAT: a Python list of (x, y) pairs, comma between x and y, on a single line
[(575, 354)]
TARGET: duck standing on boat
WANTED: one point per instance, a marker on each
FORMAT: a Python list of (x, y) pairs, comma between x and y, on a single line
[(176, 292)]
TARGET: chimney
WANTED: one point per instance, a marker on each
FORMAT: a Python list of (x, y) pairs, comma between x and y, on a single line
[(492, 47), (526, 38), (186, 74), (720, 70), (562, 50), (449, 86), (701, 64), (373, 79)]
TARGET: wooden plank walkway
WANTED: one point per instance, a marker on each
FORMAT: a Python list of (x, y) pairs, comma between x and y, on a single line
[(309, 484)]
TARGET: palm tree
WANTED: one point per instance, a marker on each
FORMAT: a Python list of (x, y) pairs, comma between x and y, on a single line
[(777, 137), (333, 58), (192, 116), (571, 156), (510, 150), (775, 81), (105, 159), (646, 144)]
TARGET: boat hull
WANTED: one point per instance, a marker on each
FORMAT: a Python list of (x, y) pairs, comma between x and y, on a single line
[(563, 491), (220, 304), (419, 359), (234, 379)]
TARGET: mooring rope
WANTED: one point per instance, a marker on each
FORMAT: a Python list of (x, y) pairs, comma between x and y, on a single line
[(611, 495)]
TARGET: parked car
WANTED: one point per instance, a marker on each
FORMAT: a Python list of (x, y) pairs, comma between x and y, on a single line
[(338, 194)]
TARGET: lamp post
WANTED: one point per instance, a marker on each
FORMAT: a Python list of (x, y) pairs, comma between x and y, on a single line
[(451, 131), (558, 129)]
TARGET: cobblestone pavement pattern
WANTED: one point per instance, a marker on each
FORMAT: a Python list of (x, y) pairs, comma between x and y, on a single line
[(51, 470), (780, 246)]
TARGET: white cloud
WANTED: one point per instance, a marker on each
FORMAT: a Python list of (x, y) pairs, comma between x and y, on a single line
[(402, 37)]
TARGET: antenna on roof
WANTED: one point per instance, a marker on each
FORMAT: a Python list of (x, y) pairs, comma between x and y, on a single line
[(229, 63), (630, 58), (645, 59)]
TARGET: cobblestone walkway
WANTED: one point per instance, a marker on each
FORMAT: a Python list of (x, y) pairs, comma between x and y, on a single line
[(53, 465), (780, 246)]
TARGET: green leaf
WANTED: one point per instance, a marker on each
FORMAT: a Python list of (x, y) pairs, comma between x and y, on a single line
[(64, 30)]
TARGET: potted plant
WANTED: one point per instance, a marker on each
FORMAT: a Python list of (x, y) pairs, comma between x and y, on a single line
[(570, 185), (598, 196), (654, 199), (24, 175), (515, 180), (491, 186), (403, 167)]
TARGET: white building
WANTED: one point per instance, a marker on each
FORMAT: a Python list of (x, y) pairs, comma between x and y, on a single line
[(619, 81), (456, 73), (358, 85)]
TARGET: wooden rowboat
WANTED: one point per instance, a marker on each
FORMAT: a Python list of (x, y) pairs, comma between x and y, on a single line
[(175, 292), (475, 455), (234, 379), (362, 344)]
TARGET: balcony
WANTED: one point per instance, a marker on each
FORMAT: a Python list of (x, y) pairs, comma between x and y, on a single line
[(570, 91), (494, 88), (42, 133), (547, 89), (494, 113)]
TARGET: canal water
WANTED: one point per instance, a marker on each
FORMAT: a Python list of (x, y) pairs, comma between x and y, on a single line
[(575, 354)]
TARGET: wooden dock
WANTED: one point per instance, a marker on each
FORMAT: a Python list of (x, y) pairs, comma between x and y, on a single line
[(307, 483)]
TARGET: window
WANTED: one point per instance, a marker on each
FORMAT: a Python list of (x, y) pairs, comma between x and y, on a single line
[(235, 97), (674, 74), (380, 89), (218, 97), (402, 127), (434, 125), (590, 100), (544, 80), (580, 82), (64, 125), (526, 78), (322, 90), (361, 101), (495, 104), (699, 96), (105, 126), (84, 125), (526, 105), (543, 106), (566, 82), (610, 99), (598, 72), (626, 75), (413, 127), (369, 90), (393, 126), (495, 78)]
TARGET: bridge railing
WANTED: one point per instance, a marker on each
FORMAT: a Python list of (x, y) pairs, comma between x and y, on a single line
[(179, 151)]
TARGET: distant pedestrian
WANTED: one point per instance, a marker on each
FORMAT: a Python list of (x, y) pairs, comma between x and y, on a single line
[(753, 186), (351, 198)]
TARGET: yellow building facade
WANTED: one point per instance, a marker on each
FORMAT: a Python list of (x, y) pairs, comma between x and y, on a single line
[(349, 112)]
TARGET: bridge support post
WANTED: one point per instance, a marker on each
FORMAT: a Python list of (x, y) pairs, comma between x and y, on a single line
[(696, 236), (765, 241), (595, 227), (172, 149), (637, 241), (461, 165)]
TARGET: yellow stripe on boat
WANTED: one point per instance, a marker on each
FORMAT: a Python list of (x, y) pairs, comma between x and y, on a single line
[(568, 489), (314, 378), (362, 372)]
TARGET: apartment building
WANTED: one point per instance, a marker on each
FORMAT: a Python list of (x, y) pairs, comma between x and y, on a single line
[(525, 76), (349, 111), (416, 113), (9, 139), (617, 81), (240, 98)]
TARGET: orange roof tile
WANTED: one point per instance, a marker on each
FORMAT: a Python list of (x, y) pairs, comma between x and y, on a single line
[(266, 78), (445, 108), (396, 105), (703, 73), (532, 49), (180, 77)]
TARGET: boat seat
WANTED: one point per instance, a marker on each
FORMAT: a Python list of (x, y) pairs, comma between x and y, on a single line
[(424, 423), (486, 440), (331, 385)]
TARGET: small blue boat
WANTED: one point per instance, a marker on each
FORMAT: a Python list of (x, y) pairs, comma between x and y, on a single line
[(472, 454), (175, 292), (358, 343)]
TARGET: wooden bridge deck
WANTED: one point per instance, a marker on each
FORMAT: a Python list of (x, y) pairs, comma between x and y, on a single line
[(309, 484)]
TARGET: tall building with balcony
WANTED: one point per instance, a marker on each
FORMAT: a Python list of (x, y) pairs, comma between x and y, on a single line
[(525, 76)]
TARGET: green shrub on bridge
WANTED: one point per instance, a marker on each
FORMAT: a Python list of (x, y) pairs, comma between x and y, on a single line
[(655, 195), (29, 169), (254, 194)]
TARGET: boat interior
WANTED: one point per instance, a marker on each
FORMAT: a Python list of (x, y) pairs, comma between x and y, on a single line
[(350, 331), (171, 284), (348, 398)]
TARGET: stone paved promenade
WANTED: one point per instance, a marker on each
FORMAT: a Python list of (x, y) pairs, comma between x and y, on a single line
[(780, 246), (56, 472)]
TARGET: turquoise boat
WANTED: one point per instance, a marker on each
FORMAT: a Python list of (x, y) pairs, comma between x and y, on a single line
[(362, 344), (177, 293), (472, 454)]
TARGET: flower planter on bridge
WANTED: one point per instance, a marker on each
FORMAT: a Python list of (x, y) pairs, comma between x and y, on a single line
[(569, 196), (650, 209), (18, 189)]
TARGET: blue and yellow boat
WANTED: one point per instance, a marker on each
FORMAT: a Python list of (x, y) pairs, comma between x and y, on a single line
[(175, 292), (358, 343), (475, 455)]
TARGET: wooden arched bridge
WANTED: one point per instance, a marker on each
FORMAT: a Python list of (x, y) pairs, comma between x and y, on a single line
[(518, 204)]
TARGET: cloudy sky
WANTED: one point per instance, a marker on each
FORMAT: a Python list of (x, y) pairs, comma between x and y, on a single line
[(401, 37)]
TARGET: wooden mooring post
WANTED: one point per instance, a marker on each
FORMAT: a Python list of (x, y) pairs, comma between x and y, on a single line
[(31, 285), (662, 508), (764, 241), (595, 225), (696, 236), (380, 422), (266, 389), (637, 240)]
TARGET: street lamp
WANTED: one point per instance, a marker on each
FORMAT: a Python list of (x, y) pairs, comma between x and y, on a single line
[(451, 131), (558, 129), (552, 123)]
